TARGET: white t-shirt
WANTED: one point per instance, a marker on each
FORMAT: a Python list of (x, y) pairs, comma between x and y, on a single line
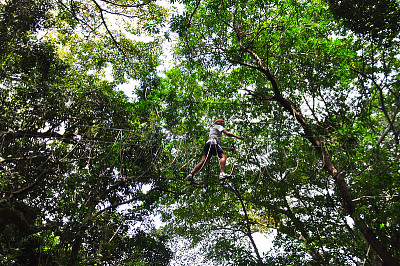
[(216, 132)]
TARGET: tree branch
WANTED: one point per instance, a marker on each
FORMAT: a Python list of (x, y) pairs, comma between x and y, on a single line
[(121, 5), (7, 135), (105, 24), (18, 218), (25, 189), (122, 203), (247, 221), (383, 106), (22, 158)]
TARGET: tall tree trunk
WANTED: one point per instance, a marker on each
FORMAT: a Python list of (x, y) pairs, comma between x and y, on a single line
[(76, 246)]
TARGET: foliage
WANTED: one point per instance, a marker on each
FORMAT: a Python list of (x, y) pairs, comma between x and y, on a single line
[(313, 88), (76, 155), (319, 110), (377, 19)]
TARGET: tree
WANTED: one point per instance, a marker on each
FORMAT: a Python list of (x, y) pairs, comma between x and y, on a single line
[(377, 19), (301, 78), (75, 150)]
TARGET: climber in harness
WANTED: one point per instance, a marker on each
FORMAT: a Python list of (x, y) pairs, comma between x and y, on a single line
[(213, 147)]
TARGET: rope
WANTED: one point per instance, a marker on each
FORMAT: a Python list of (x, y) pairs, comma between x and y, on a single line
[(139, 137), (125, 142), (207, 159)]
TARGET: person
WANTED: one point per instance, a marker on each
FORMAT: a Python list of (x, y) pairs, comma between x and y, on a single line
[(213, 147)]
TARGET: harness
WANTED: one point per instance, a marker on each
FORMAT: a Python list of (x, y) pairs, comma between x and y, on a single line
[(212, 140)]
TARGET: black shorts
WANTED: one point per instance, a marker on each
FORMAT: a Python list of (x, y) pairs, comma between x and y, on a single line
[(211, 149)]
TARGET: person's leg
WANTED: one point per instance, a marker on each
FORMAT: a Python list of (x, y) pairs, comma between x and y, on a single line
[(199, 165), (222, 162), (197, 168), (207, 153)]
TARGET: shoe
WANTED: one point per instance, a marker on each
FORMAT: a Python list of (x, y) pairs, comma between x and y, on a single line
[(223, 176), (189, 177)]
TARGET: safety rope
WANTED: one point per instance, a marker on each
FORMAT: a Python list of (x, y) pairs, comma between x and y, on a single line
[(125, 142)]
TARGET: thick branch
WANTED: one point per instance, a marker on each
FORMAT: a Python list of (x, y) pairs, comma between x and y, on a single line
[(105, 24), (18, 218), (33, 134), (23, 158), (76, 245)]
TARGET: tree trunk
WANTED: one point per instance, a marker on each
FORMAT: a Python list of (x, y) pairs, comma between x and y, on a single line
[(76, 246)]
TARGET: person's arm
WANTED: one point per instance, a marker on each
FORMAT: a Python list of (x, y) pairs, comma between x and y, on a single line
[(228, 148), (229, 134)]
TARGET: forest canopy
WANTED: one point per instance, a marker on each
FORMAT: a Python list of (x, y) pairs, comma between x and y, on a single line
[(87, 172)]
